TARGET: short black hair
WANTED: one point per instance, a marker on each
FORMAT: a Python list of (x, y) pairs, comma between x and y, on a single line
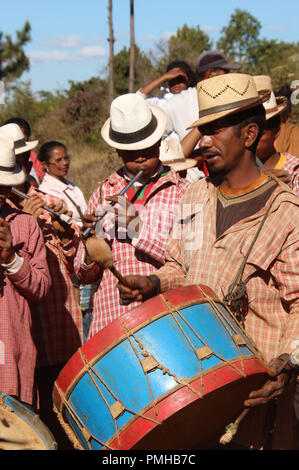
[(186, 67), (44, 153), (20, 122)]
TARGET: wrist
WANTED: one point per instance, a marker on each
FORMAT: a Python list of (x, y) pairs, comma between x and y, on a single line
[(8, 257), (156, 285)]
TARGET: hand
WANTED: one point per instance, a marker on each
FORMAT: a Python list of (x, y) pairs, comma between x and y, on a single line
[(175, 72), (7, 253), (88, 221), (273, 388), (126, 213), (283, 175), (140, 288), (63, 229), (33, 206)]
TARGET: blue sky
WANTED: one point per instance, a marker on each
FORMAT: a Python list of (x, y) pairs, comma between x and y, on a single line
[(69, 37)]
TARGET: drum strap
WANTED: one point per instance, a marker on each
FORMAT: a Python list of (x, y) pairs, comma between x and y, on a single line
[(236, 298)]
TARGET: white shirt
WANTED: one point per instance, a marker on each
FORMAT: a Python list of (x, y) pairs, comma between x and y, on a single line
[(69, 193), (181, 111)]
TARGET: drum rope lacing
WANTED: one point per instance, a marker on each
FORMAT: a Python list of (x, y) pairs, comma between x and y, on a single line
[(120, 408), (173, 309)]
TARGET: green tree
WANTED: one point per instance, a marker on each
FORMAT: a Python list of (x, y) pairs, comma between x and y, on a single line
[(13, 61), (239, 38), (187, 44), (143, 69)]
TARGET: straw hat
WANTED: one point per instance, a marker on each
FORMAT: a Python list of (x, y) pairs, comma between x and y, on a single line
[(226, 94), (133, 124), (20, 145), (171, 154), (11, 173), (275, 105)]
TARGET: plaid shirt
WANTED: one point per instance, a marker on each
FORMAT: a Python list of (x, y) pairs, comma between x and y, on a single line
[(272, 320), (291, 164), (142, 255), (30, 283), (58, 327)]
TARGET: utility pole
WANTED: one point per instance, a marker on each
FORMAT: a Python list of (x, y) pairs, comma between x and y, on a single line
[(111, 55), (132, 49)]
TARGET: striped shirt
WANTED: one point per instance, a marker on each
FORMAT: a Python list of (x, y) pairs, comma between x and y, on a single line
[(290, 163), (142, 255), (195, 256), (29, 284)]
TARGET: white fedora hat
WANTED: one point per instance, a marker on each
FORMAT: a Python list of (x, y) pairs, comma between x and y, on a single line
[(11, 173), (274, 105), (171, 154), (20, 145), (133, 124), (227, 94)]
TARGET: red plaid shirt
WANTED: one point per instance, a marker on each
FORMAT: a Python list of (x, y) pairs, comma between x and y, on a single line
[(291, 164), (142, 255), (196, 256), (29, 284), (57, 317)]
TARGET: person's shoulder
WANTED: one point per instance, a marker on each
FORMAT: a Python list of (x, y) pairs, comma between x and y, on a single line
[(181, 98)]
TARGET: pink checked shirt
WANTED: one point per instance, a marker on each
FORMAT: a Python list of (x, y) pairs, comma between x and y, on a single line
[(57, 317), (291, 164), (196, 256), (142, 255), (29, 284)]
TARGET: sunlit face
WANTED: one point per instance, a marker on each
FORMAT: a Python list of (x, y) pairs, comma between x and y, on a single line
[(144, 159), (221, 146), (59, 162)]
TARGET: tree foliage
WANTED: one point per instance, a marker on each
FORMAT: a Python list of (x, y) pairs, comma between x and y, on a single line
[(13, 61)]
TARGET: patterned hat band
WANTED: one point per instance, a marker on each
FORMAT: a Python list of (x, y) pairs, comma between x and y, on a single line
[(19, 143), (132, 137), (228, 106)]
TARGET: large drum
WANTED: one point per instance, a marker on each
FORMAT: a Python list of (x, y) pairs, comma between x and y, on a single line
[(21, 428), (169, 374)]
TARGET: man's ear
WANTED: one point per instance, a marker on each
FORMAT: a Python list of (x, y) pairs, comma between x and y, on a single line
[(250, 133)]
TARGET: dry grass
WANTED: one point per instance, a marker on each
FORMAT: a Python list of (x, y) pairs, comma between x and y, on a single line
[(90, 166)]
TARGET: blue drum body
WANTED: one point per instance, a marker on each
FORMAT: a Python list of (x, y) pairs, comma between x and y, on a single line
[(166, 375)]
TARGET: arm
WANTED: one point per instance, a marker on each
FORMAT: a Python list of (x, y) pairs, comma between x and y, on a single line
[(32, 279), (190, 141), (173, 73)]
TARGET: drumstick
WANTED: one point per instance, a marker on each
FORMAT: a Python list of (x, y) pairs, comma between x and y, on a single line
[(99, 251), (232, 428), (63, 217), (100, 217)]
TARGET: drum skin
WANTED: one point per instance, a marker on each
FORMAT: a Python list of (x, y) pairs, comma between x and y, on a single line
[(21, 428), (169, 374)]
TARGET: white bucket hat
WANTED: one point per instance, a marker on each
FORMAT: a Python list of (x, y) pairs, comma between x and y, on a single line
[(11, 173), (274, 105), (20, 145), (133, 124), (171, 154)]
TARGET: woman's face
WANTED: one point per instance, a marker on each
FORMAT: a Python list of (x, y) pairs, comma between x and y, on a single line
[(59, 163)]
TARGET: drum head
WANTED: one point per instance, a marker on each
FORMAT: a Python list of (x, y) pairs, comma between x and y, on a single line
[(21, 429)]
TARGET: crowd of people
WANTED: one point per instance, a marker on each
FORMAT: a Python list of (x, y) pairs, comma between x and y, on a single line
[(210, 140)]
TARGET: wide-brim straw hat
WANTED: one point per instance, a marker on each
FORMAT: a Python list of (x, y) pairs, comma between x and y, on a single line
[(11, 173), (20, 144), (275, 105), (171, 154), (226, 94), (133, 123)]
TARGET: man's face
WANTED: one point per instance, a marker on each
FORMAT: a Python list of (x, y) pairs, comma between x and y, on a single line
[(221, 146), (266, 146), (214, 72), (4, 191), (145, 159)]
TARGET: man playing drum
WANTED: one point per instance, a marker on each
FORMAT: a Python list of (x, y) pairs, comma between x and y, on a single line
[(248, 245)]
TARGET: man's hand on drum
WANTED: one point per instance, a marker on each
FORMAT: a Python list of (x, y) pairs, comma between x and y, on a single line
[(139, 288), (274, 387)]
